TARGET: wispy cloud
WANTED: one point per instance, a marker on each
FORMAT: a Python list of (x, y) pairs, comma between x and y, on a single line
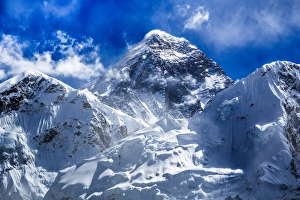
[(235, 23), (247, 23), (183, 9), (77, 60), (128, 45), (2, 74), (59, 9), (197, 19)]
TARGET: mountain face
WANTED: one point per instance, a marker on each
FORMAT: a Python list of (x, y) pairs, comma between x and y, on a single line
[(47, 126), (164, 123), (162, 75), (254, 126)]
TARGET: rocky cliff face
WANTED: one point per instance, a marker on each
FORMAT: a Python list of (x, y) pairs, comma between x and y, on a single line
[(162, 75)]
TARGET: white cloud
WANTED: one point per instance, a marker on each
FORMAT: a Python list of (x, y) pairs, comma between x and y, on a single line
[(248, 23), (114, 74), (270, 22), (228, 24), (128, 45), (190, 80), (62, 36), (72, 66), (183, 9), (58, 9), (197, 19), (73, 63), (11, 57), (2, 74)]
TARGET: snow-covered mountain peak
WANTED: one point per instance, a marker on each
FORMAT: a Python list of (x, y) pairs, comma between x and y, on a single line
[(165, 46), (31, 88), (31, 72), (286, 73), (32, 78), (157, 38), (157, 32), (162, 75), (43, 121), (257, 120), (283, 75), (278, 67)]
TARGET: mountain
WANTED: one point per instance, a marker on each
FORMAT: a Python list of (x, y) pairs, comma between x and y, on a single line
[(163, 123), (47, 126), (162, 75), (254, 126), (243, 145)]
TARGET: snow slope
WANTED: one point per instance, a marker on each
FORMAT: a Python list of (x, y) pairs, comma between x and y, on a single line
[(44, 121), (162, 75), (159, 162)]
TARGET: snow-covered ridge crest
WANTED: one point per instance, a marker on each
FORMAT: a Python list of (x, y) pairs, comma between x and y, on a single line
[(161, 34), (277, 66), (30, 73), (156, 32), (163, 44)]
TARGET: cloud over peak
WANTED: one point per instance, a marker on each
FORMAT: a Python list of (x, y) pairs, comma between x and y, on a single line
[(197, 19)]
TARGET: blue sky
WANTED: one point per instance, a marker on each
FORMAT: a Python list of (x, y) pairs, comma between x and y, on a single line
[(75, 41)]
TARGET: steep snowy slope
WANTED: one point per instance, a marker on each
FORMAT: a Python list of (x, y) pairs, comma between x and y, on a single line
[(254, 126), (46, 126), (162, 75)]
